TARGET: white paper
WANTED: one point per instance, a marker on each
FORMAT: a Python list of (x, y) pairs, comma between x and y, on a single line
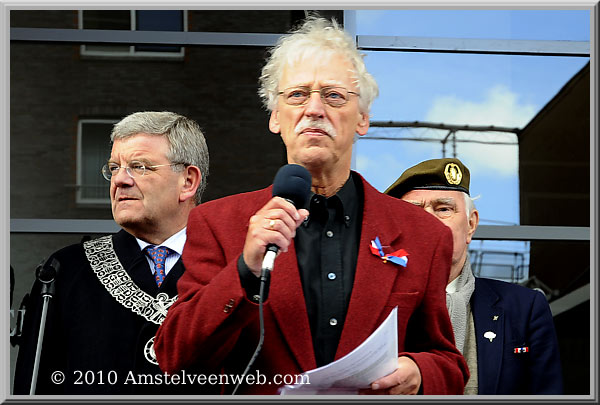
[(374, 358)]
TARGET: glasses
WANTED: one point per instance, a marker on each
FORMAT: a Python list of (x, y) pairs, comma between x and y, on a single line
[(331, 95), (133, 169)]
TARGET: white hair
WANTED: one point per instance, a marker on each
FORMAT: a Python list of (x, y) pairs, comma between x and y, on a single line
[(469, 205), (316, 38)]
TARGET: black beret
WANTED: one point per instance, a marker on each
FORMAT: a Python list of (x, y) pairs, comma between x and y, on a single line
[(434, 174)]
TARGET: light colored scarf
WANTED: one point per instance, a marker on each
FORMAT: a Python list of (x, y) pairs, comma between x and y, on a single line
[(458, 303)]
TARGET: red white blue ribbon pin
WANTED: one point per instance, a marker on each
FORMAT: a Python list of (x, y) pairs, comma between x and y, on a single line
[(398, 257), (524, 349)]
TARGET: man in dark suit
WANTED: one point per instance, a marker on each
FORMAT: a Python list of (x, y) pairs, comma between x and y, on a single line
[(505, 331), (328, 291), (113, 292)]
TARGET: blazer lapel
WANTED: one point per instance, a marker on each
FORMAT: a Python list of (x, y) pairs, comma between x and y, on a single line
[(374, 279), (286, 301), (489, 332)]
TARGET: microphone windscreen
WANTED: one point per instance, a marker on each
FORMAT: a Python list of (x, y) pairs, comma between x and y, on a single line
[(292, 182), (47, 272)]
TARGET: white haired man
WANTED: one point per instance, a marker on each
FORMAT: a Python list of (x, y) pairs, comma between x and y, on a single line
[(505, 331), (328, 292), (113, 292)]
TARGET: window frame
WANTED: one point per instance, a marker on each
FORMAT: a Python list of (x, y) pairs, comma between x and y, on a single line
[(132, 52), (79, 199)]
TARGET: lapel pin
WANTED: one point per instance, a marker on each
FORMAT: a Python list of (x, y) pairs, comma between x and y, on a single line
[(398, 257), (489, 335), (523, 349), (495, 318)]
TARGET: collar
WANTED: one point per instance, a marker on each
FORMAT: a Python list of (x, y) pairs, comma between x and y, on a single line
[(454, 286), (451, 287), (175, 242), (346, 198)]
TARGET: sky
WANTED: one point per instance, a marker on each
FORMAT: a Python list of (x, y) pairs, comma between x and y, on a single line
[(464, 89)]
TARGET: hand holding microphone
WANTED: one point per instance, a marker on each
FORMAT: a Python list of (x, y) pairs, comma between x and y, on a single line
[(274, 226)]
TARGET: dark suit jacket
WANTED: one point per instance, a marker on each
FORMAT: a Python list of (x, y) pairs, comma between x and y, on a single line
[(524, 320), (90, 337), (213, 323)]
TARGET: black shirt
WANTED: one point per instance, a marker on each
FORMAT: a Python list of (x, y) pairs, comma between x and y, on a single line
[(327, 250)]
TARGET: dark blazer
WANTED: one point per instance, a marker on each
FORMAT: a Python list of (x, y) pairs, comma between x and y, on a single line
[(96, 342), (214, 324), (523, 320)]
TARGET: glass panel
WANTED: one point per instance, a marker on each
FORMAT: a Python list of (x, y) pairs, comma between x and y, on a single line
[(26, 252), (512, 174), (95, 151), (571, 25), (158, 20), (461, 89), (254, 21), (107, 19), (43, 19), (500, 260), (101, 89), (120, 49)]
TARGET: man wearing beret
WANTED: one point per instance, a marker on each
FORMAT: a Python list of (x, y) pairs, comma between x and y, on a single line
[(505, 331)]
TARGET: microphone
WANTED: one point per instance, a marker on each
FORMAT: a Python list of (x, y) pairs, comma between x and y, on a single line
[(292, 182), (46, 274)]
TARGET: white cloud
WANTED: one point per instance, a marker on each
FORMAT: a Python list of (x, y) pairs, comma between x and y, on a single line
[(499, 107)]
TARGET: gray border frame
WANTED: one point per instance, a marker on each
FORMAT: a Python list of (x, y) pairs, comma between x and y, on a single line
[(5, 7)]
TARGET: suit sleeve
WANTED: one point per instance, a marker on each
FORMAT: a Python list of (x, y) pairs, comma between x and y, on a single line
[(430, 338), (204, 324), (545, 373)]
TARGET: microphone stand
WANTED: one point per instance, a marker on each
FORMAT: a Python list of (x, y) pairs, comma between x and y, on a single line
[(46, 275)]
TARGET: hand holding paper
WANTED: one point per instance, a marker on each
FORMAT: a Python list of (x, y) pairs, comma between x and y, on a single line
[(373, 359), (406, 380)]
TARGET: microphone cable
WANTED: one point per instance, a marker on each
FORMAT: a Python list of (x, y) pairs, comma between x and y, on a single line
[(263, 278)]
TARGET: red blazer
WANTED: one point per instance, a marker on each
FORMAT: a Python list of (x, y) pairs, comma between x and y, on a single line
[(215, 326)]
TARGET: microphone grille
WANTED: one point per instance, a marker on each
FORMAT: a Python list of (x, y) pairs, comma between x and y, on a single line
[(292, 182)]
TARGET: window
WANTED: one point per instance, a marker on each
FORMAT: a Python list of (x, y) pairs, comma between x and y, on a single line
[(430, 104), (93, 150), (135, 20)]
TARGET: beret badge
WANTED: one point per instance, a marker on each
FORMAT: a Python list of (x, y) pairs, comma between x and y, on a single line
[(453, 173)]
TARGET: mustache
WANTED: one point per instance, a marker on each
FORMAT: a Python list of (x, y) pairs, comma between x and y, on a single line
[(323, 125)]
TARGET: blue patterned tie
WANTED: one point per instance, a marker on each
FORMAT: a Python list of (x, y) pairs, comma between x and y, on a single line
[(158, 254)]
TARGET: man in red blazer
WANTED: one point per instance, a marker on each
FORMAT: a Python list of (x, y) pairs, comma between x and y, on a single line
[(328, 291)]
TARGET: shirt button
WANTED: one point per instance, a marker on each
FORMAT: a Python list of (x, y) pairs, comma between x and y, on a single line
[(347, 218), (333, 321), (329, 234), (331, 276)]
